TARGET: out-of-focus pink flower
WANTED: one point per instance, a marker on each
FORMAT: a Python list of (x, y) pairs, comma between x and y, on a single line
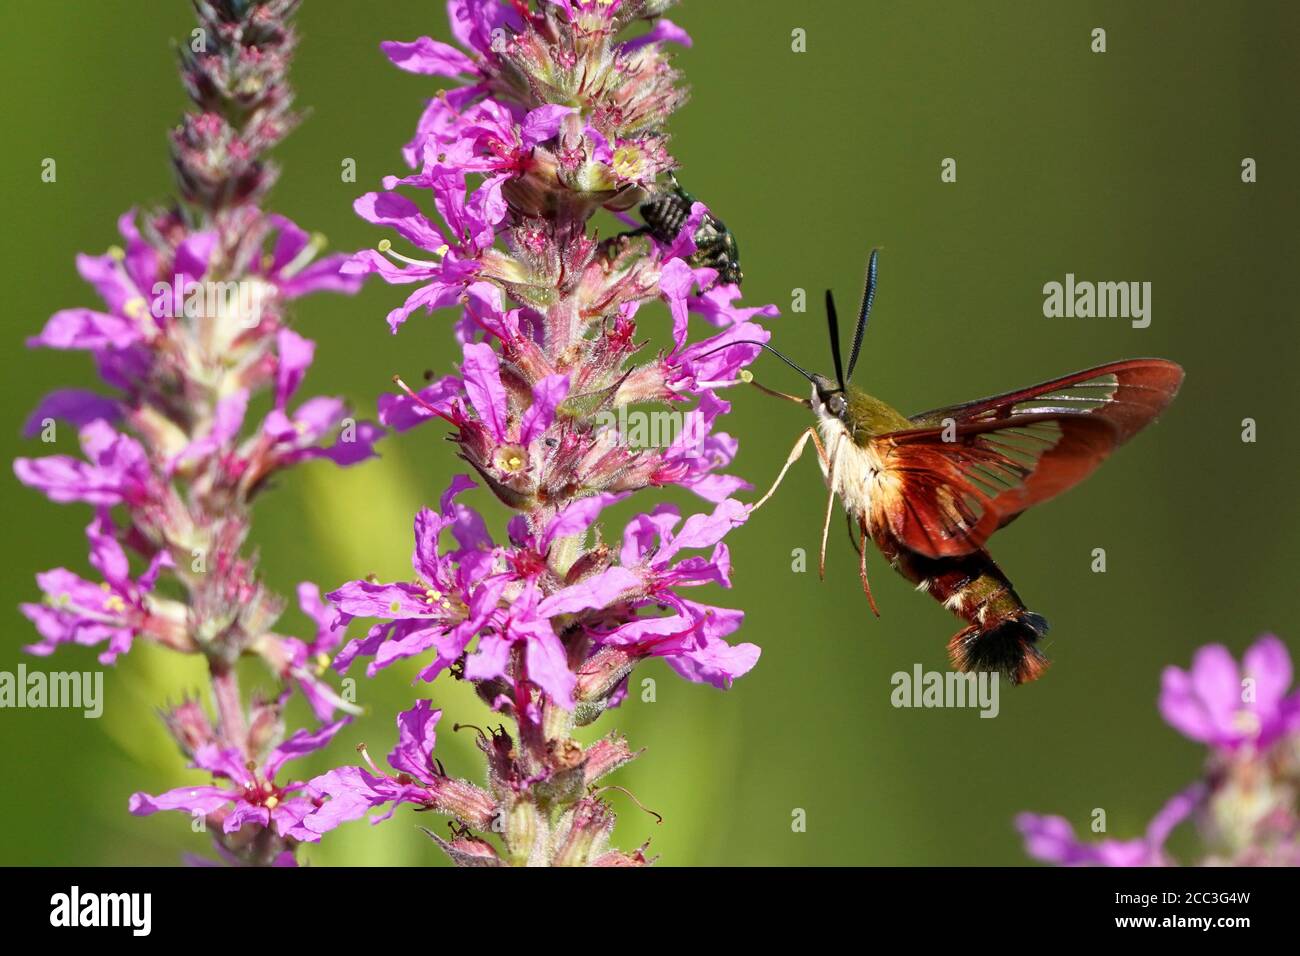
[(1223, 705), (1052, 839)]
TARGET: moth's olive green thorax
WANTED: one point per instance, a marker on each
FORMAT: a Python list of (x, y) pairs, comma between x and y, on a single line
[(862, 415)]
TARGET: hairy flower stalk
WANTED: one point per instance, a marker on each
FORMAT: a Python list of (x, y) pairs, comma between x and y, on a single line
[(194, 326), (1246, 807), (560, 116)]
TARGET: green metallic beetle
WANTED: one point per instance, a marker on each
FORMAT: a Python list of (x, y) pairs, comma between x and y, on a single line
[(716, 248)]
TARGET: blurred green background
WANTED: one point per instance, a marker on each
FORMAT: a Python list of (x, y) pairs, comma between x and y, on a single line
[(1120, 166)]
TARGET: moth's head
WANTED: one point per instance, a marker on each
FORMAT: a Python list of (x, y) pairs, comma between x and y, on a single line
[(828, 399)]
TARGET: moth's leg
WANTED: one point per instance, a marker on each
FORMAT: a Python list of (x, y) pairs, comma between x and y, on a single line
[(832, 481), (862, 564), (795, 453), (821, 449), (852, 538), (826, 530)]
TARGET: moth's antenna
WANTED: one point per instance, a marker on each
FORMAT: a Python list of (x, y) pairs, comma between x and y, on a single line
[(763, 345), (833, 324), (868, 297)]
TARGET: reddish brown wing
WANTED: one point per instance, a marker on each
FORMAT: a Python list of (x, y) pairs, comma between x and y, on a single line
[(945, 498)]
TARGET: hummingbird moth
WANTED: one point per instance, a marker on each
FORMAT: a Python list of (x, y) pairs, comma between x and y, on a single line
[(930, 489)]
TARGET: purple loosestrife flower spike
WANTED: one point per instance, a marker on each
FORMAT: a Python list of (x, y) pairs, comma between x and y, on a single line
[(194, 326), (558, 110)]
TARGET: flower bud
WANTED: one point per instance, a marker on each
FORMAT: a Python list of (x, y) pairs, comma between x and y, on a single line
[(189, 724), (464, 801), (602, 674), (265, 726), (467, 850), (604, 757), (525, 832), (584, 833)]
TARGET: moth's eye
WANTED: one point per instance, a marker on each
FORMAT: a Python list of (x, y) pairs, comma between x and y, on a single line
[(836, 405)]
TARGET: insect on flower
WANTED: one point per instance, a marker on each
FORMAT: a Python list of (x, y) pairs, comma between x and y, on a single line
[(930, 489), (666, 213)]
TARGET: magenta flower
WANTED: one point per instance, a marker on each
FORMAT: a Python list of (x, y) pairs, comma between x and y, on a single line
[(1052, 840), (509, 596), (403, 412), (349, 793), (121, 608), (249, 795), (76, 406), (545, 660), (124, 280), (141, 285), (304, 663), (1244, 808), (451, 598), (460, 254), (116, 470), (698, 455), (691, 642), (292, 268), (650, 544), (1217, 703), (523, 448)]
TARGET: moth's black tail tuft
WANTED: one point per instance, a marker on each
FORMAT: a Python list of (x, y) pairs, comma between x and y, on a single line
[(1008, 646)]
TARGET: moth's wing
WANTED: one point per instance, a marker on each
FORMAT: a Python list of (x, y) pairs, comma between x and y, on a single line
[(1129, 394), (944, 498)]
